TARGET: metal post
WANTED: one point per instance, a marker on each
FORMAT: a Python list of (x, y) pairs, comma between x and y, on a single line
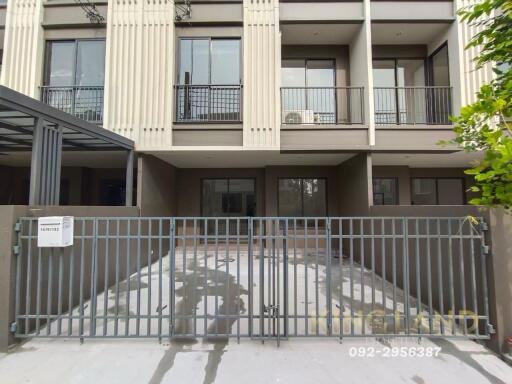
[(129, 179), (57, 166), (35, 166)]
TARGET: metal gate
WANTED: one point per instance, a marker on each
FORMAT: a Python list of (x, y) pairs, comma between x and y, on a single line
[(262, 278)]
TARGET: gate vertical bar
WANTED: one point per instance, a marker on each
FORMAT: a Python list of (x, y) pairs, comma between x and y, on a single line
[(172, 288), (328, 277), (405, 230), (250, 277), (94, 275), (18, 253)]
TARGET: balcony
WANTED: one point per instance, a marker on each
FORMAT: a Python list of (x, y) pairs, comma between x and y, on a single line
[(322, 105), (412, 105), (82, 101), (208, 103)]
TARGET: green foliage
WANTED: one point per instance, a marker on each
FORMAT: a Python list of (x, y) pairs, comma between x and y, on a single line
[(485, 125)]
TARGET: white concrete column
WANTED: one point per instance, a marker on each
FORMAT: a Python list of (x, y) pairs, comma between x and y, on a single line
[(262, 74), (361, 74), (139, 71), (23, 47)]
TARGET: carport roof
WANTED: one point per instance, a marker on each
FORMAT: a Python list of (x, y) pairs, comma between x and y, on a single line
[(19, 114)]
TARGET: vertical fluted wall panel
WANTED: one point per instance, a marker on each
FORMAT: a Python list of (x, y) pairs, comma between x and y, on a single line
[(23, 46), (262, 68), (473, 78), (139, 68)]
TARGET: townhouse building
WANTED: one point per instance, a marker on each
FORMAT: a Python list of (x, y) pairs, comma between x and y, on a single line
[(249, 108)]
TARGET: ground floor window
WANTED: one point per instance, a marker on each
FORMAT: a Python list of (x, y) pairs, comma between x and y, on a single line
[(385, 191), (228, 197), (437, 191), (301, 197)]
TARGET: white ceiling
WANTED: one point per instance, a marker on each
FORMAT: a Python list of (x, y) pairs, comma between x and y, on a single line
[(407, 33), (245, 158), (311, 34), (437, 160)]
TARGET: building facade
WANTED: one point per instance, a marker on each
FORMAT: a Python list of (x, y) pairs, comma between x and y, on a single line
[(250, 108)]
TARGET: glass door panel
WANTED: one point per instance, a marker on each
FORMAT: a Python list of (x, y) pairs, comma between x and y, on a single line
[(321, 96)]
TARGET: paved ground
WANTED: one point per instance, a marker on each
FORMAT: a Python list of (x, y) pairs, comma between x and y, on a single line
[(296, 361)]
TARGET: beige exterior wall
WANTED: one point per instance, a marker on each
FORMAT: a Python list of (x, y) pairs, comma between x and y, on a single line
[(262, 70), (139, 72)]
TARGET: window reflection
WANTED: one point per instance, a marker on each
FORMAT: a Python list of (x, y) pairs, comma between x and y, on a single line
[(385, 191), (301, 197)]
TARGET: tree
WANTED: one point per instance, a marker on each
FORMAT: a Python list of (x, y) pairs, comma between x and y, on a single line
[(485, 125)]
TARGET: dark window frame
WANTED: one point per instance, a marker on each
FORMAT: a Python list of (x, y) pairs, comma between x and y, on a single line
[(395, 182), (436, 179), (202, 179), (302, 194)]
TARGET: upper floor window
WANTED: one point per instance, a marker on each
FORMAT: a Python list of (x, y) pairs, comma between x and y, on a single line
[(209, 81), (209, 61), (77, 62), (74, 77)]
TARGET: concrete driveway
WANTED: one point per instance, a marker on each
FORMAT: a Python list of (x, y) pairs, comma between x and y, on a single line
[(296, 361)]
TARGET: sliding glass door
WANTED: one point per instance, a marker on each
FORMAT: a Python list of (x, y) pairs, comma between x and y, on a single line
[(309, 94), (400, 96), (227, 198)]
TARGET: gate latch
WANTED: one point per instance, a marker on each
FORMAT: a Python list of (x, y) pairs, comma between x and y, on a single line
[(272, 310), (490, 329), (13, 327)]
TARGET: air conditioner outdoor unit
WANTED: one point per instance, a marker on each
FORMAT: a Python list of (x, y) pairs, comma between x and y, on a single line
[(300, 116)]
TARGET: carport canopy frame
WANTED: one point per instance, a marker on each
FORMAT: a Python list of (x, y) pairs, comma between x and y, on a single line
[(29, 125)]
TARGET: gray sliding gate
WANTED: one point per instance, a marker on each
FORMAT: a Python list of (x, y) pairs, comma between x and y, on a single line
[(261, 277)]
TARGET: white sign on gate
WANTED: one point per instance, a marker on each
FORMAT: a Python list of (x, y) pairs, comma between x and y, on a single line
[(55, 231)]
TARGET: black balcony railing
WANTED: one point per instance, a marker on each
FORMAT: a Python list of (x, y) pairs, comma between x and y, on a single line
[(208, 103), (413, 105), (322, 105), (84, 102)]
